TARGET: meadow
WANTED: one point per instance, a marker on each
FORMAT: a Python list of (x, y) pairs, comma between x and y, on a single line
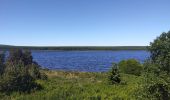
[(62, 85)]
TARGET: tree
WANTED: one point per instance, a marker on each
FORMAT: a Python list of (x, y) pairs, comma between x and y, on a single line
[(18, 55), (157, 70), (17, 78), (24, 56), (20, 72), (114, 76), (130, 66), (160, 51)]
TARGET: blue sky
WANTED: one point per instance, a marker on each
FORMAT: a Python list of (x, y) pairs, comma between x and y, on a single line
[(82, 22)]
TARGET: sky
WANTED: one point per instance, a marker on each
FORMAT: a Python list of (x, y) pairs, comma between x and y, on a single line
[(82, 22)]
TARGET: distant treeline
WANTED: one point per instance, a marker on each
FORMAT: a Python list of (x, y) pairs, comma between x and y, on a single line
[(6, 47)]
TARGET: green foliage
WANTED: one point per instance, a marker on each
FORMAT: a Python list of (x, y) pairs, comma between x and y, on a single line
[(17, 78), (130, 66), (43, 76), (114, 76), (2, 59), (33, 70), (160, 51), (157, 70), (80, 86), (158, 88), (155, 87), (18, 55), (154, 84), (20, 72)]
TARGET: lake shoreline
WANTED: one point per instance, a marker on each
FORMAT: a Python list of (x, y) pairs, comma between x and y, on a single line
[(72, 48)]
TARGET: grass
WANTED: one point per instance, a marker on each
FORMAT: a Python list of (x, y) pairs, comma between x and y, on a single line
[(80, 86)]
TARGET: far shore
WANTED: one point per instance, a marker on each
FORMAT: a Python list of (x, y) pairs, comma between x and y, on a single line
[(74, 48)]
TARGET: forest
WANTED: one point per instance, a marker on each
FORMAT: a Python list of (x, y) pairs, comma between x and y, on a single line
[(8, 47)]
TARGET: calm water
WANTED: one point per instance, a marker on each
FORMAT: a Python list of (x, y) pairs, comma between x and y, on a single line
[(89, 61)]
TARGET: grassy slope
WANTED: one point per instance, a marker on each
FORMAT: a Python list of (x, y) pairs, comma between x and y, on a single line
[(79, 86)]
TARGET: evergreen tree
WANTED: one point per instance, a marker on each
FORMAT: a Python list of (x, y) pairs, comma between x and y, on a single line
[(114, 76), (20, 72)]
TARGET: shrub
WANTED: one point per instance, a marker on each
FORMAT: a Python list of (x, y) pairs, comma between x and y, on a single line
[(154, 86), (130, 66), (113, 76)]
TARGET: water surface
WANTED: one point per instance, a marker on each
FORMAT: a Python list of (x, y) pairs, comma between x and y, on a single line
[(88, 61)]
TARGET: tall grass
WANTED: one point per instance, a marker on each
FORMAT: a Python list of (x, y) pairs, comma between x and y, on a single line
[(80, 86)]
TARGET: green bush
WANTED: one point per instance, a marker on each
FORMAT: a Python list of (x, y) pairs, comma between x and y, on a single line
[(155, 84), (114, 76), (20, 72), (130, 66)]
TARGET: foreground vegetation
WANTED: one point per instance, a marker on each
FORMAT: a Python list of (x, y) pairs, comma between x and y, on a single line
[(80, 85)]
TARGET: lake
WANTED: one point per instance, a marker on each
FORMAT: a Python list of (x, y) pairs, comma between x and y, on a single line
[(87, 61)]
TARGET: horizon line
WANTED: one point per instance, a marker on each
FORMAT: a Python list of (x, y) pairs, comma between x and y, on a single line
[(75, 45)]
